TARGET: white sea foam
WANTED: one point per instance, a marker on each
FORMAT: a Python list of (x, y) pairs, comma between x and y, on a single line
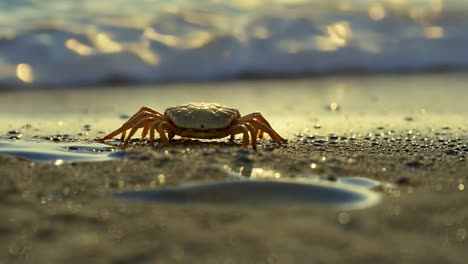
[(91, 42)]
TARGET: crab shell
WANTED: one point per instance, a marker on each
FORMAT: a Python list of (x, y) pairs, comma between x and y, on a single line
[(202, 116)]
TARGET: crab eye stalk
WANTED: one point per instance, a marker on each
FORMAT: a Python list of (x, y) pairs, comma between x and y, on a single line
[(202, 126)]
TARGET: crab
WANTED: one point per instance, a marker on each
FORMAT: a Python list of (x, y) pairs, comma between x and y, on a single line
[(196, 120)]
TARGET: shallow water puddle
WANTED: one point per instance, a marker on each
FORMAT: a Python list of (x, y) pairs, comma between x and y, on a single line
[(40, 151), (263, 191)]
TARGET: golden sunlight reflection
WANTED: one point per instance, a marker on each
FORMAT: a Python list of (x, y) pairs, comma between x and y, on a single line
[(166, 39), (24, 72), (461, 187), (434, 32), (338, 36), (194, 40), (144, 52), (198, 39), (262, 173), (224, 23), (376, 12), (161, 179), (430, 11), (105, 44), (333, 106), (78, 47)]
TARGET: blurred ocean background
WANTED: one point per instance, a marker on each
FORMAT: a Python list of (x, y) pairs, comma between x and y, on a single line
[(87, 42)]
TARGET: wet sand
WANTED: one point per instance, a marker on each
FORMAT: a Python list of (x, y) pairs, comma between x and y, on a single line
[(407, 132)]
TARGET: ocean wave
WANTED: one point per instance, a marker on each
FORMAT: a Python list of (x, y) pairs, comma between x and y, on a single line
[(213, 43)]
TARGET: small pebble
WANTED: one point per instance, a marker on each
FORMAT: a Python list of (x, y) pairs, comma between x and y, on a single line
[(451, 152), (402, 180), (414, 164), (331, 178)]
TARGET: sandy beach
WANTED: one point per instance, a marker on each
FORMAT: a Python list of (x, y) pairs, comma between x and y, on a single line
[(407, 133)]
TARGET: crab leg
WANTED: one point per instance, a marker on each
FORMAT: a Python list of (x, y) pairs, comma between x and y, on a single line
[(260, 134), (258, 116), (126, 126), (241, 128), (152, 129), (255, 120), (145, 131), (277, 138), (146, 109), (162, 135), (140, 124), (115, 133), (162, 127), (142, 115), (171, 134), (253, 134)]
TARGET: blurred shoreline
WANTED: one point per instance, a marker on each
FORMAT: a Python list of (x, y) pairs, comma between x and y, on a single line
[(120, 83)]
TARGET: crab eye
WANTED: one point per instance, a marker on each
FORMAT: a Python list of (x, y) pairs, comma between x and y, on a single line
[(202, 126)]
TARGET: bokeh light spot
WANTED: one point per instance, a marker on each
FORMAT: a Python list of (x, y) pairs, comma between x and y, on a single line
[(25, 73)]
